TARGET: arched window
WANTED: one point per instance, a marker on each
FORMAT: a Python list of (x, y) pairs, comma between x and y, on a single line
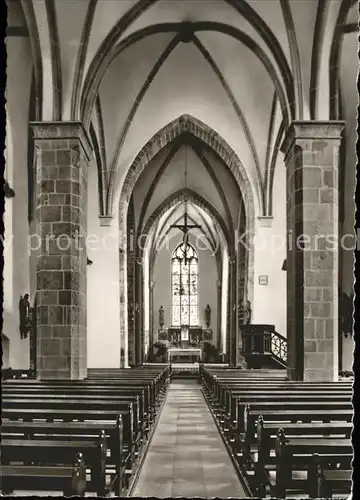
[(184, 286)]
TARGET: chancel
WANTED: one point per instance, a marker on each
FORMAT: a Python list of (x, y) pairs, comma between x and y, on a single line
[(178, 321)]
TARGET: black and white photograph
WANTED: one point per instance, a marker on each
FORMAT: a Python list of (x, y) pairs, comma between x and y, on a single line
[(179, 245)]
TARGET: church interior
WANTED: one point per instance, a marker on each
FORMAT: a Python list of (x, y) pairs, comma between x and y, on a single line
[(179, 248)]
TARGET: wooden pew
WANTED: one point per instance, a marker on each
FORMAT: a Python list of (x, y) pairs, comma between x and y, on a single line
[(229, 395), (77, 431), (159, 377), (82, 415), (69, 389), (266, 433), (242, 438), (224, 391), (128, 384), (139, 398), (31, 400), (305, 415), (70, 480), (47, 452), (314, 413), (325, 480), (263, 453), (296, 455), (54, 401), (291, 399)]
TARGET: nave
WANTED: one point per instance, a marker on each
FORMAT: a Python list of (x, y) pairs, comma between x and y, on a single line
[(186, 456), (178, 188), (120, 432)]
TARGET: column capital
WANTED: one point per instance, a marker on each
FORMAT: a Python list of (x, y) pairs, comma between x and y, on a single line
[(105, 220), (307, 130), (265, 220), (62, 131)]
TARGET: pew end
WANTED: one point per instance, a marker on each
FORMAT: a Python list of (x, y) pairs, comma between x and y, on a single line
[(325, 479)]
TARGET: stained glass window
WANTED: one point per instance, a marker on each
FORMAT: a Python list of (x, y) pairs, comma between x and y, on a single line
[(185, 286)]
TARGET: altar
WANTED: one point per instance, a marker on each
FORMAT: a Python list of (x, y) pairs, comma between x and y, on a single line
[(187, 355), (185, 337)]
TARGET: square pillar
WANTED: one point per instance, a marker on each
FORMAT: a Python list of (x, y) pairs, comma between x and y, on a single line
[(62, 161), (311, 158)]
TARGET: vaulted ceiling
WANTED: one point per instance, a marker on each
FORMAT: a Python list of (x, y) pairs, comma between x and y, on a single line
[(187, 176), (245, 69)]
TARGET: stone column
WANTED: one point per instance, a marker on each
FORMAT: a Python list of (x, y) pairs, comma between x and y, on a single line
[(124, 309), (232, 311), (139, 341), (218, 325), (142, 313), (130, 285), (63, 156), (151, 311), (311, 158), (228, 317)]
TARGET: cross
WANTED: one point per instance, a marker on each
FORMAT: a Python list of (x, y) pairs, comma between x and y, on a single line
[(185, 228)]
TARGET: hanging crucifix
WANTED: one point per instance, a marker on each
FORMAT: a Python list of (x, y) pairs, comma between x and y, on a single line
[(184, 288), (185, 227)]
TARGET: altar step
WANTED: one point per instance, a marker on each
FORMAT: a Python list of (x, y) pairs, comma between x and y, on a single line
[(184, 370)]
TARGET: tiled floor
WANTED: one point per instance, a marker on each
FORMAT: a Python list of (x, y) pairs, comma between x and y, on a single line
[(186, 456)]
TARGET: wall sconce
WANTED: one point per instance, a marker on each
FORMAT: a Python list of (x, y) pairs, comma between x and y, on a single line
[(8, 191), (88, 261), (263, 279), (283, 267)]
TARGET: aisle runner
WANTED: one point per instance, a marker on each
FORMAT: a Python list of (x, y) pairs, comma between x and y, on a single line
[(187, 456)]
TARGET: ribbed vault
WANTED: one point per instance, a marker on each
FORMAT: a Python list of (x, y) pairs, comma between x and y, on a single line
[(89, 65)]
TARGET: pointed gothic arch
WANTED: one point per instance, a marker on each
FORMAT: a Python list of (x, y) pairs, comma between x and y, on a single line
[(188, 124)]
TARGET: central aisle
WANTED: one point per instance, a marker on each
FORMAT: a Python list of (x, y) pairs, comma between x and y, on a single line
[(187, 456)]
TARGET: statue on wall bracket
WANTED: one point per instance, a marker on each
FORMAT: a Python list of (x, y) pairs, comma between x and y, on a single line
[(161, 317), (245, 313), (207, 316), (248, 312), (25, 325)]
